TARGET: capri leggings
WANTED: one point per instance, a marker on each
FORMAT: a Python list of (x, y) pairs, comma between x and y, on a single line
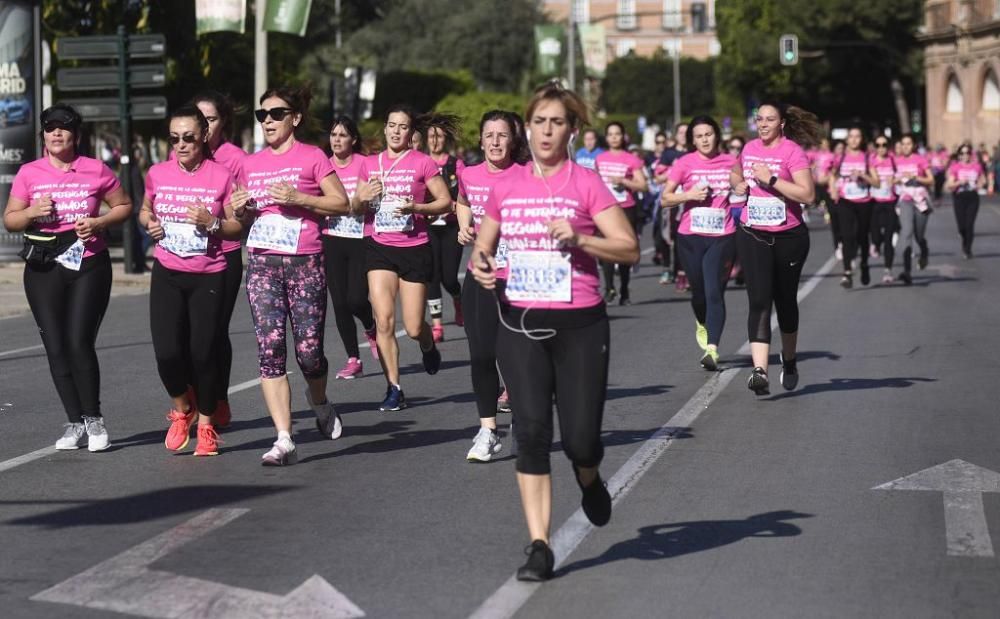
[(288, 288), (481, 323), (707, 262), (572, 365), (68, 307), (347, 279), (855, 221), (185, 316), (772, 265), (447, 260), (231, 291), (885, 223)]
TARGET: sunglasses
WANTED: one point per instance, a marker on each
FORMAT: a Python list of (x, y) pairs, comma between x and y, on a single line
[(52, 126), (277, 113), (881, 144), (188, 139)]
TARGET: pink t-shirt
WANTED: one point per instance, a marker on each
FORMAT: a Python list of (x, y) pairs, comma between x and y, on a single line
[(231, 156), (76, 194), (914, 165), (475, 186), (783, 159), (611, 164), (406, 178), (966, 174), (938, 160), (348, 175), (844, 169), (821, 161), (171, 191), (450, 182), (692, 170), (523, 205), (304, 166), (886, 170)]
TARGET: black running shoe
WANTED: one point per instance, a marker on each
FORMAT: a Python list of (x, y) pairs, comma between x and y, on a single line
[(866, 276), (789, 374), (905, 278), (624, 301), (610, 295), (847, 281), (432, 360), (538, 567), (596, 502), (922, 261), (758, 382)]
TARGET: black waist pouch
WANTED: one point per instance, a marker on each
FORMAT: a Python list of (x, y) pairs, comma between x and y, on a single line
[(43, 247)]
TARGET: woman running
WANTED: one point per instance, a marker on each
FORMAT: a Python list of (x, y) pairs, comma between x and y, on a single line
[(185, 211), (499, 140), (218, 111), (623, 173), (557, 219), (706, 232), (344, 251), (965, 179), (913, 184), (822, 178), (442, 132), (288, 189), (850, 180), (885, 221), (399, 257), (772, 241), (56, 202)]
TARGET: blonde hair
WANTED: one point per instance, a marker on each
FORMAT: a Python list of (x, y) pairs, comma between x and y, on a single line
[(576, 109)]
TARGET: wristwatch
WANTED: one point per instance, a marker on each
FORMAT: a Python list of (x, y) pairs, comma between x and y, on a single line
[(215, 226), (774, 179)]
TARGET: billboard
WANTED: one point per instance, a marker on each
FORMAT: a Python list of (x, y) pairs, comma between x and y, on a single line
[(19, 59)]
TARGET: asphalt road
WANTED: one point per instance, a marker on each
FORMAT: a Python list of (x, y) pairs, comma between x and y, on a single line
[(728, 505)]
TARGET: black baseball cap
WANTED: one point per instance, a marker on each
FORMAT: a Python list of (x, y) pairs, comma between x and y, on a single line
[(62, 114)]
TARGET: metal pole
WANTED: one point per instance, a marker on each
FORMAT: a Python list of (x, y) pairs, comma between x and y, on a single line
[(128, 229), (677, 86), (259, 67), (571, 40), (336, 12)]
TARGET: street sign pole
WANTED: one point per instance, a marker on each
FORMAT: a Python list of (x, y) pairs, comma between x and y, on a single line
[(128, 229)]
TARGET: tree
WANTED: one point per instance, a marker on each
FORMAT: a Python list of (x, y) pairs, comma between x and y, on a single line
[(639, 85)]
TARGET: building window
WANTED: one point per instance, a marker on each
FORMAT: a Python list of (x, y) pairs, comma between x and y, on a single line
[(626, 19), (581, 11), (954, 102), (673, 18), (991, 92), (624, 47), (671, 47), (699, 17)]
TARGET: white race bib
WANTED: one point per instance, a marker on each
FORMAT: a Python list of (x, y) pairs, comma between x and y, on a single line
[(183, 239), (882, 192), (765, 211), (72, 258), (501, 257), (708, 220), (386, 219), (854, 191), (539, 276), (346, 226), (275, 232)]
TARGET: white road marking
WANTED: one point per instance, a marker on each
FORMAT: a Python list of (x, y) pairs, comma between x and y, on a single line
[(17, 350), (513, 594)]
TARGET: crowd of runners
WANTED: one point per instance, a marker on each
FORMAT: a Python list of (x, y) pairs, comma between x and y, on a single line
[(550, 236)]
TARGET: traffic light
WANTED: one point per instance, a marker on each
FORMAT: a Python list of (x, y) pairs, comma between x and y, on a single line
[(788, 49)]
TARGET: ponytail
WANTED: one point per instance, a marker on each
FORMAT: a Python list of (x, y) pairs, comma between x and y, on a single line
[(801, 126)]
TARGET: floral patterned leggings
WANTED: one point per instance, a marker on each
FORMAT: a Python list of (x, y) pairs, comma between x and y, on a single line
[(282, 288)]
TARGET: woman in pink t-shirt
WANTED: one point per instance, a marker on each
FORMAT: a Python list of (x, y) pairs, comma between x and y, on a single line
[(623, 173), (556, 219), (185, 211), (851, 179), (287, 190), (913, 183), (773, 243), (56, 200), (965, 179), (885, 222), (404, 189), (706, 231)]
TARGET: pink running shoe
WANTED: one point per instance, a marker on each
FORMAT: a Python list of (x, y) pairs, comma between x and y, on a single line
[(437, 332), (681, 284), (353, 369), (503, 403), (372, 342)]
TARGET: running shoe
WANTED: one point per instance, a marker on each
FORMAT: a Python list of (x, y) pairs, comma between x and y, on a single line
[(873, 251), (180, 429), (72, 437), (922, 260), (437, 333), (432, 360), (701, 335), (838, 252), (966, 254), (735, 271), (789, 373), (681, 283), (459, 316), (610, 295), (352, 369), (624, 300), (541, 561), (97, 434), (847, 281), (596, 501), (327, 420), (223, 415), (372, 342), (282, 453), (666, 278), (503, 402), (208, 441), (758, 382), (484, 446), (394, 399), (866, 276), (710, 360), (905, 278), (887, 277)]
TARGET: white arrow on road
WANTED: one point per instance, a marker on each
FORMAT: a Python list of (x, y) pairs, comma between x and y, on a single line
[(963, 485), (125, 584)]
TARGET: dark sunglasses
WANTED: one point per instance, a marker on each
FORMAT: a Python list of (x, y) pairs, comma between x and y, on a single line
[(188, 139), (52, 126), (277, 113), (881, 144)]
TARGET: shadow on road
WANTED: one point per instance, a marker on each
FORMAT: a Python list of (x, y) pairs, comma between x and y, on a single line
[(745, 361), (854, 384), (666, 541), (615, 393)]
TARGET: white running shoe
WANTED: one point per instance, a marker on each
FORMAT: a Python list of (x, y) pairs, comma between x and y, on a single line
[(282, 452), (72, 437), (97, 434), (327, 420), (484, 446)]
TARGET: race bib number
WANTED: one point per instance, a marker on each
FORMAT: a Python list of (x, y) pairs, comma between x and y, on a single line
[(275, 232), (539, 276), (386, 219), (765, 211), (184, 240), (707, 220), (346, 226), (854, 191), (72, 258), (620, 194), (882, 192), (501, 257)]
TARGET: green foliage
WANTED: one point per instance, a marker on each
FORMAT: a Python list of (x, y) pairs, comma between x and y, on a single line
[(641, 85), (420, 89), (471, 106)]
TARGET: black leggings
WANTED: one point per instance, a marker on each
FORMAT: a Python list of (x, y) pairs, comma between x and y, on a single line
[(347, 281), (184, 317), (966, 208), (481, 324), (572, 365), (885, 223), (707, 261), (772, 266), (68, 307), (833, 208), (447, 260), (624, 270), (660, 244), (231, 290), (855, 221)]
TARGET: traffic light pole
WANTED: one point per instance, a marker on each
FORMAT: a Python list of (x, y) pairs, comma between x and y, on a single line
[(128, 229)]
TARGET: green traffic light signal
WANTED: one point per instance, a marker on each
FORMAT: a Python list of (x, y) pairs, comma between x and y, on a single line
[(788, 49)]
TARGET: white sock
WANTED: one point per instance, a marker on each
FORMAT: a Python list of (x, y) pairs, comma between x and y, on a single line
[(284, 435)]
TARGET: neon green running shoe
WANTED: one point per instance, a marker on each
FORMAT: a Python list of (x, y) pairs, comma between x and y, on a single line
[(701, 335)]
